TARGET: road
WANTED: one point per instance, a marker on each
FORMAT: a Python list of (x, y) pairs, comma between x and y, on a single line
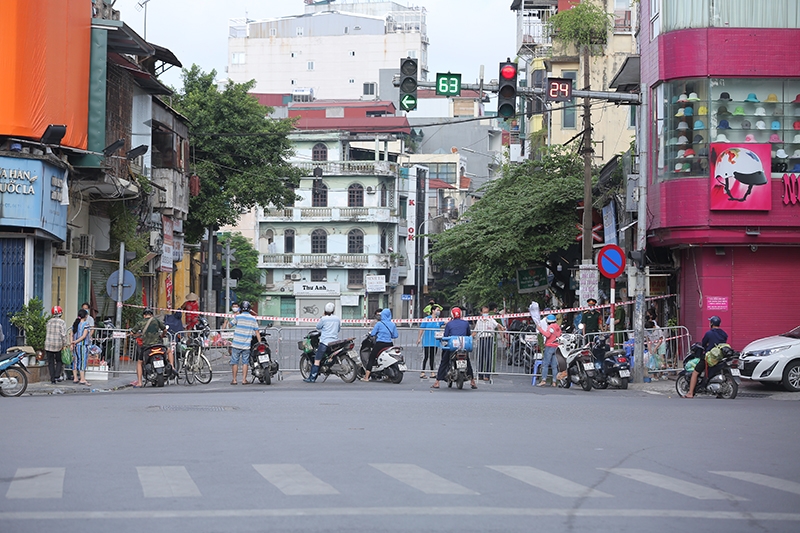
[(379, 457)]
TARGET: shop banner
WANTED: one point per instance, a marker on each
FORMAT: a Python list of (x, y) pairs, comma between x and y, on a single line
[(31, 194), (740, 177)]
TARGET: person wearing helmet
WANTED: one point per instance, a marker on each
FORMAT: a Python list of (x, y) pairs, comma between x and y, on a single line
[(715, 335), (551, 331), (245, 327), (384, 331), (150, 329), (329, 325), (55, 339), (455, 327)]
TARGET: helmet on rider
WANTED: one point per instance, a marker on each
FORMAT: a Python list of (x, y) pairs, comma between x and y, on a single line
[(147, 311), (455, 312), (329, 308), (56, 311), (715, 321), (551, 318), (245, 307)]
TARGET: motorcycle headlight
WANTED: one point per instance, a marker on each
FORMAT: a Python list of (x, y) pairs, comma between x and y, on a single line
[(769, 351)]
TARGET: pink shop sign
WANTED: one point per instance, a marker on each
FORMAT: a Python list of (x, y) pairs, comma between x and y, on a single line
[(716, 303)]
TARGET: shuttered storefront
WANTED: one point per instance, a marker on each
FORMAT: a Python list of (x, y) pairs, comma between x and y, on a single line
[(12, 286)]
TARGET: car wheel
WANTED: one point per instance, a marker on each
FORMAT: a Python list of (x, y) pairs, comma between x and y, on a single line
[(791, 377)]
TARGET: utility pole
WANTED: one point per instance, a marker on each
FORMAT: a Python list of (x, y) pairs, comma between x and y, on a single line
[(641, 240), (587, 164), (210, 271)]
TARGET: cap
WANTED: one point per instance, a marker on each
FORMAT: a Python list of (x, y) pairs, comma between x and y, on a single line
[(752, 98), (689, 153), (777, 112), (592, 300), (683, 126), (761, 125), (723, 125), (796, 125), (772, 98), (746, 124), (680, 154), (688, 111), (678, 167), (725, 97), (683, 139), (796, 168), (698, 125), (551, 318), (796, 99), (680, 113), (796, 139), (796, 154), (760, 112), (738, 111), (674, 99), (703, 110), (698, 139), (683, 98), (721, 138), (687, 167), (781, 154), (776, 125), (774, 138), (672, 141), (693, 97), (722, 110), (750, 138)]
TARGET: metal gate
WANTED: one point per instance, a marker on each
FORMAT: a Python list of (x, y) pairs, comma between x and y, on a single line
[(12, 286)]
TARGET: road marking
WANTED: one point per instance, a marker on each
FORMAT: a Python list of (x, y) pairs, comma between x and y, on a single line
[(167, 482), (547, 481), (421, 479), (766, 481), (37, 483), (294, 480), (685, 488)]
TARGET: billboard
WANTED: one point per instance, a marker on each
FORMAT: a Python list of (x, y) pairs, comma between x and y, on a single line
[(740, 177)]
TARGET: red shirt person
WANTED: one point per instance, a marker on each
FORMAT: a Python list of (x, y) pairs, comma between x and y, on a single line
[(191, 304)]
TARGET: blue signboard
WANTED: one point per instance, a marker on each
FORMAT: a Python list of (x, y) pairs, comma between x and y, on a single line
[(31, 192)]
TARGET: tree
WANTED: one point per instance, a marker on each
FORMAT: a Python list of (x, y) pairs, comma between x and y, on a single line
[(249, 287), (239, 153), (521, 219), (31, 320)]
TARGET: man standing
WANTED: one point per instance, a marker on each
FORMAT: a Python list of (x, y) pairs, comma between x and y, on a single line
[(329, 325), (551, 332), (485, 330), (591, 319), (245, 327), (55, 340)]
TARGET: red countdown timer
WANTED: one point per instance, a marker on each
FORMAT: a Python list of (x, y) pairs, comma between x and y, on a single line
[(558, 90)]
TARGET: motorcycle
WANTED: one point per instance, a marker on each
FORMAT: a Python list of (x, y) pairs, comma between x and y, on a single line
[(389, 366), (13, 374), (459, 352), (578, 361), (156, 368), (262, 366), (724, 376), (337, 359), (523, 348), (612, 368)]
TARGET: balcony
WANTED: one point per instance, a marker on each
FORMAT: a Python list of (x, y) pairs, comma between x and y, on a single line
[(350, 168), (376, 261), (532, 30), (332, 214)]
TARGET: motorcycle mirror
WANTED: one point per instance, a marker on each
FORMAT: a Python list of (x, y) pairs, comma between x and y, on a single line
[(582, 326)]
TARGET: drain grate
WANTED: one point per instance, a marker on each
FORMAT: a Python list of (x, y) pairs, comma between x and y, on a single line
[(191, 408)]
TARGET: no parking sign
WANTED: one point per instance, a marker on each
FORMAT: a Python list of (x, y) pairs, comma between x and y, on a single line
[(611, 261)]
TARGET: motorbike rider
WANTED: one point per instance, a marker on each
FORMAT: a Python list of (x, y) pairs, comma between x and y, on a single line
[(329, 325), (551, 333), (715, 335), (151, 330), (455, 327), (384, 331), (245, 327)]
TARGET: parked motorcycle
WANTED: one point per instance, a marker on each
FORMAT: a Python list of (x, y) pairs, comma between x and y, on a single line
[(612, 368), (459, 352), (524, 347), (577, 361), (337, 359), (724, 376), (389, 366), (262, 367), (13, 374), (156, 368)]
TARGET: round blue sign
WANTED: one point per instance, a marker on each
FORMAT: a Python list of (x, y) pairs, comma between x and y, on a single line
[(611, 261), (128, 284)]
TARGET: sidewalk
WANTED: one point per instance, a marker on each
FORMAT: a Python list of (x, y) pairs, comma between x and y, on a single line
[(114, 383)]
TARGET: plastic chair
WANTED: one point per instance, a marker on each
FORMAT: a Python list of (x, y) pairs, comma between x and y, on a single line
[(536, 367)]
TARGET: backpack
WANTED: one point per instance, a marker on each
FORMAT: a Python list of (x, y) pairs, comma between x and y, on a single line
[(717, 353)]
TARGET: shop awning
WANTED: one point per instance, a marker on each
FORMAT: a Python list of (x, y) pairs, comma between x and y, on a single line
[(627, 79)]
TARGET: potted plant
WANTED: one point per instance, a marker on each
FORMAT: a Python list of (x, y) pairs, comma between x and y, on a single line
[(31, 321)]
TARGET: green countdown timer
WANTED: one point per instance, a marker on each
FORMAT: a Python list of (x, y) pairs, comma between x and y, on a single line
[(448, 84)]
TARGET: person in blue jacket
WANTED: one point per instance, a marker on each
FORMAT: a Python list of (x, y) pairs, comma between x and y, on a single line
[(456, 327), (384, 331)]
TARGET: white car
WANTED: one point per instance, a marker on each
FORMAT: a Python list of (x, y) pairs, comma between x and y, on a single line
[(774, 359)]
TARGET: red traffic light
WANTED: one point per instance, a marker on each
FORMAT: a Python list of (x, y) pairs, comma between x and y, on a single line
[(508, 72)]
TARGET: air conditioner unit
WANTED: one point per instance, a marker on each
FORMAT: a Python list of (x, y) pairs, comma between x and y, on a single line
[(370, 190), (83, 245), (156, 240), (295, 276), (162, 197)]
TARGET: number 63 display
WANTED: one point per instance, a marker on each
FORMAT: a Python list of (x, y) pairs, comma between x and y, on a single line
[(448, 84)]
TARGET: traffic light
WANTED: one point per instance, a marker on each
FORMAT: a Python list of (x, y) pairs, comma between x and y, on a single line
[(638, 258), (408, 84), (507, 91)]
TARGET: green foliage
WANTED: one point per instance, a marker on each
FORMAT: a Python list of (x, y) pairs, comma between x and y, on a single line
[(125, 227), (238, 152), (249, 287), (521, 219), (586, 24), (31, 320)]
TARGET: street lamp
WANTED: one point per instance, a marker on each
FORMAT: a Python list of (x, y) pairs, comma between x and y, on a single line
[(420, 262)]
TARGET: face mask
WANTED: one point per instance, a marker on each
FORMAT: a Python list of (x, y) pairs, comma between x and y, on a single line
[(235, 309), (485, 314)]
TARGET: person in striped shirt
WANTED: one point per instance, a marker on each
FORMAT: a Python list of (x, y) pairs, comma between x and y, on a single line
[(245, 327)]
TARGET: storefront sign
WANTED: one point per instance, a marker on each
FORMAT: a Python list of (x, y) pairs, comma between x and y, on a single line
[(740, 177), (166, 258), (177, 248), (589, 279), (350, 300), (716, 303), (532, 279), (376, 283), (168, 288), (610, 223), (314, 288), (791, 189), (31, 192)]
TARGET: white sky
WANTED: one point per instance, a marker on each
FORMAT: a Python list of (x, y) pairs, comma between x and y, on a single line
[(464, 34)]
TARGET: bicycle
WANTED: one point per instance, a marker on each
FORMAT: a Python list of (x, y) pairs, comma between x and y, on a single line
[(193, 362)]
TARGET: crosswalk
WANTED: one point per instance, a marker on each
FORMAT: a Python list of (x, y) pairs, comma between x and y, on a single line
[(296, 480)]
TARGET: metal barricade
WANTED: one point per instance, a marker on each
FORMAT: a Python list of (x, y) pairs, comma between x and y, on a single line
[(117, 348)]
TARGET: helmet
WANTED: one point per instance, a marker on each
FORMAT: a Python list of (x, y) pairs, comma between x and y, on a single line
[(739, 165), (455, 312), (245, 307), (56, 311), (202, 323), (715, 320), (329, 307), (147, 311), (551, 318)]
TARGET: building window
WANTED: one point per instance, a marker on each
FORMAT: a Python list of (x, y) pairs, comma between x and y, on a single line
[(355, 195), (352, 80), (319, 242), (319, 195), (622, 16), (568, 114), (346, 29), (310, 65), (352, 53), (655, 18), (299, 31), (237, 58), (288, 241), (369, 89), (355, 278), (411, 53), (294, 82), (355, 242), (632, 117), (273, 32), (319, 274), (319, 152), (384, 195)]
